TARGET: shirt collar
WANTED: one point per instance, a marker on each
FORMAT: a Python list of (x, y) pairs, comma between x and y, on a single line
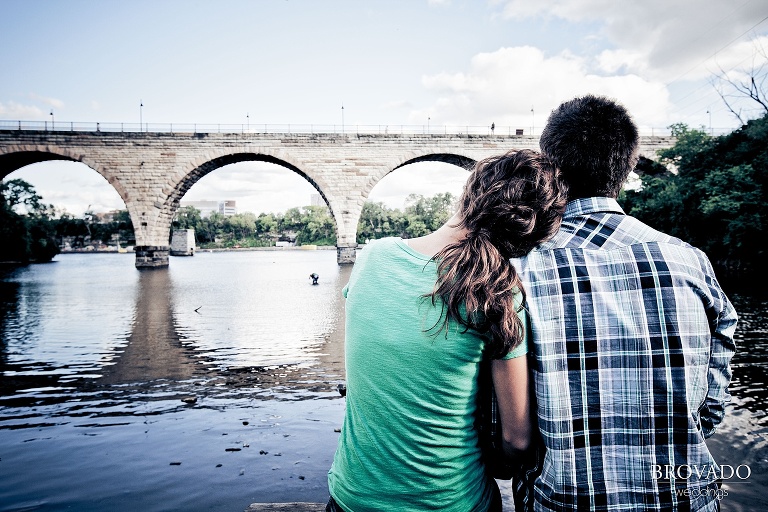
[(587, 205)]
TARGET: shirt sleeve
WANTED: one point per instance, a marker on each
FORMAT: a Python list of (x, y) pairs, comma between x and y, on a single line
[(722, 318), (522, 348)]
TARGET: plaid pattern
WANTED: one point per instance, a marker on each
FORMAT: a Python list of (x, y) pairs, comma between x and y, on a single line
[(631, 348)]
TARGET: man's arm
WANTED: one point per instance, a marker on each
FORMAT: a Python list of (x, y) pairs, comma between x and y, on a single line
[(723, 320)]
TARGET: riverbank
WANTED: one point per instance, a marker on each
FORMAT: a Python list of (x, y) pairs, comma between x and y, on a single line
[(212, 249)]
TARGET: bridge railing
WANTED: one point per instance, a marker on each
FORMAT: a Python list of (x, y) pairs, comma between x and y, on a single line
[(372, 129)]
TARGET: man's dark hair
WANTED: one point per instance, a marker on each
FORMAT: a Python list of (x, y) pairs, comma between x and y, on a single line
[(594, 142)]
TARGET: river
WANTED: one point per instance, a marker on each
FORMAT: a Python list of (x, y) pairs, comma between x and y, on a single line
[(212, 384)]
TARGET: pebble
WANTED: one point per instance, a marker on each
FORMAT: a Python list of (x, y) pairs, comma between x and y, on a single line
[(231, 449)]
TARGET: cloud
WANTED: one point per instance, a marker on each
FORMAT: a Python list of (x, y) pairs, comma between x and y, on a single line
[(661, 40), (397, 104), (425, 178), (13, 110), (25, 112), (506, 85), (256, 186), (53, 102), (70, 186)]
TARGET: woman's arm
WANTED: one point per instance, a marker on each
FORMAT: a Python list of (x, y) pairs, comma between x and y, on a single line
[(510, 378)]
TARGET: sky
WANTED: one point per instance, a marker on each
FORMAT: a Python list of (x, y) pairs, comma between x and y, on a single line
[(387, 62)]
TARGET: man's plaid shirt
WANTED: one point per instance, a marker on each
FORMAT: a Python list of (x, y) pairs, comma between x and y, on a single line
[(631, 348)]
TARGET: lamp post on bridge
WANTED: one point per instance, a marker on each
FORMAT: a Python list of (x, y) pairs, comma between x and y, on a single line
[(342, 118), (52, 121), (533, 121), (141, 115)]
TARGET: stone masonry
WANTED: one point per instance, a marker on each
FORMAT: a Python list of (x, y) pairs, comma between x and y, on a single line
[(153, 171)]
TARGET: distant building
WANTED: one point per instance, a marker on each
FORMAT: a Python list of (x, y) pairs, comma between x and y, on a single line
[(106, 216), (317, 200), (228, 207)]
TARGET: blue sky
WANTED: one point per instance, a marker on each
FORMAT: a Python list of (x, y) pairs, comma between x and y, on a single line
[(388, 62)]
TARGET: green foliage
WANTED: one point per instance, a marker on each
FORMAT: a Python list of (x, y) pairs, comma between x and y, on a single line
[(307, 225), (26, 229), (717, 196), (422, 215)]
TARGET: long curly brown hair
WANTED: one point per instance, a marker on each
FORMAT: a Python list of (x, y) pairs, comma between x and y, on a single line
[(511, 203)]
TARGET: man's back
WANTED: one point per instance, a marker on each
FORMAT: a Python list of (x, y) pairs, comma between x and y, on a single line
[(632, 338)]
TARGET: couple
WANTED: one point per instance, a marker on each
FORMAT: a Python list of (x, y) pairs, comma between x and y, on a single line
[(611, 342)]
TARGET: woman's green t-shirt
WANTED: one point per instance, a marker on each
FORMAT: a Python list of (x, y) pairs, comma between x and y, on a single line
[(408, 440)]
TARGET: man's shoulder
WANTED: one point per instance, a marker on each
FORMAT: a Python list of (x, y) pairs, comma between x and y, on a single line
[(607, 231), (609, 239)]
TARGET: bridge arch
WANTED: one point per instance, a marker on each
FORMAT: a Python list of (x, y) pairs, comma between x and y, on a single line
[(14, 158), (459, 160), (209, 163), (397, 162)]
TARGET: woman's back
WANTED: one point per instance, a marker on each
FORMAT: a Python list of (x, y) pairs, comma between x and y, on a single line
[(408, 441)]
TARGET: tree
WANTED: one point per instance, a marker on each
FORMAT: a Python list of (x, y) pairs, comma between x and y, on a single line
[(716, 198), (432, 211), (266, 226), (18, 194), (422, 215), (375, 221), (26, 228), (187, 217), (750, 83)]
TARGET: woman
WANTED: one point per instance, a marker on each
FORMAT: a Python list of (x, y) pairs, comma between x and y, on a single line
[(421, 314)]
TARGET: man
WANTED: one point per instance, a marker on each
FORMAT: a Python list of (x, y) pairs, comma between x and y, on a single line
[(632, 337)]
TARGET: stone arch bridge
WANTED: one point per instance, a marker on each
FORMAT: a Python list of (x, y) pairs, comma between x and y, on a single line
[(152, 171)]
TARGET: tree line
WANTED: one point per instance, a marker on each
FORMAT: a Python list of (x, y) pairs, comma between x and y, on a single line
[(314, 225), (708, 191), (32, 231)]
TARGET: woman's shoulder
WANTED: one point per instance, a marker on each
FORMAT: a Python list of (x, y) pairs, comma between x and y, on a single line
[(380, 245), (381, 242)]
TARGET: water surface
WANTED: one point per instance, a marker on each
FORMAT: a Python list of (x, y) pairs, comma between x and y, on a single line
[(212, 384)]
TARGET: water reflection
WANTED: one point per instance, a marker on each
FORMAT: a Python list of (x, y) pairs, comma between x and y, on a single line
[(154, 349), (9, 301), (750, 364), (189, 364)]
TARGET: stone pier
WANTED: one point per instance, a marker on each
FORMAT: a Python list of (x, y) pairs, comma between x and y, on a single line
[(151, 256)]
